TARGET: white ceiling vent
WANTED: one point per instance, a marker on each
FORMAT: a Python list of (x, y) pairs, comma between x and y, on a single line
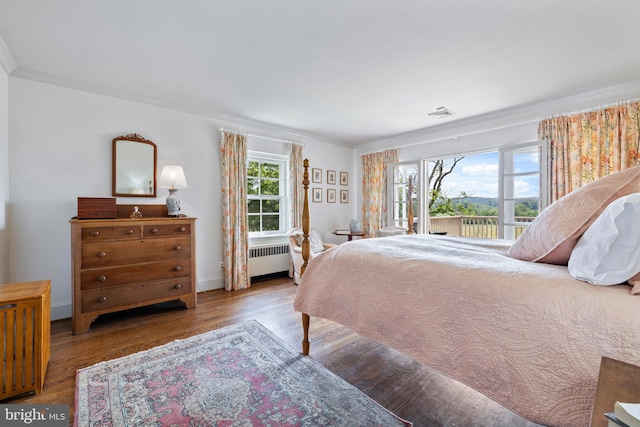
[(442, 112)]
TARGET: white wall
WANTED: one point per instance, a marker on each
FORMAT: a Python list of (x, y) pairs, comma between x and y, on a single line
[(4, 176), (60, 149)]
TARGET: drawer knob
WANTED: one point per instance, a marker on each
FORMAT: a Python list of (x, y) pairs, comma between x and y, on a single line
[(154, 230), (101, 254), (182, 229), (177, 286), (102, 299), (129, 231), (94, 233), (177, 268), (102, 278), (177, 247)]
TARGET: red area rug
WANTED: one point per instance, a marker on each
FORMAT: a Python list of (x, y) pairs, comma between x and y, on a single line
[(240, 375)]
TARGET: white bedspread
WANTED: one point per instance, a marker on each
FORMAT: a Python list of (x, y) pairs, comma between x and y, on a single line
[(527, 335)]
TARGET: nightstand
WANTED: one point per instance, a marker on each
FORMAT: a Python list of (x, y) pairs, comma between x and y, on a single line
[(617, 381)]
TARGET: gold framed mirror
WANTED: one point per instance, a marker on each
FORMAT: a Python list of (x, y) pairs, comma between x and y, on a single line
[(134, 162)]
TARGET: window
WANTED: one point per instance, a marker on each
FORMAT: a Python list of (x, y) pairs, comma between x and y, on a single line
[(494, 194), (267, 194), (523, 189), (405, 186)]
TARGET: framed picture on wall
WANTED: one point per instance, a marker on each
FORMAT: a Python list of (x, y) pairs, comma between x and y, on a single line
[(344, 196), (316, 175), (331, 177), (316, 195), (331, 195), (344, 178)]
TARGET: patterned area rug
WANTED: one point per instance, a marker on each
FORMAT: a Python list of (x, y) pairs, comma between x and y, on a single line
[(241, 375)]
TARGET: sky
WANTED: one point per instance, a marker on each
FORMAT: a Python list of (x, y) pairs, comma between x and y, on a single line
[(477, 175)]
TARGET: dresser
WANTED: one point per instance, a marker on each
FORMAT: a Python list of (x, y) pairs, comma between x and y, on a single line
[(120, 264), (25, 335)]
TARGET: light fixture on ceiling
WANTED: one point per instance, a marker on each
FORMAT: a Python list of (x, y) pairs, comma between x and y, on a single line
[(441, 113)]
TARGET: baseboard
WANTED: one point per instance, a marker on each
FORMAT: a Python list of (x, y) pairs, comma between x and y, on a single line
[(210, 285), (62, 311)]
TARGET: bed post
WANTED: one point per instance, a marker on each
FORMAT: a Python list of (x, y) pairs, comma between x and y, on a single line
[(306, 251)]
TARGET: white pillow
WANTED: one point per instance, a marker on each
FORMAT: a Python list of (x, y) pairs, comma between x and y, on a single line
[(608, 253)]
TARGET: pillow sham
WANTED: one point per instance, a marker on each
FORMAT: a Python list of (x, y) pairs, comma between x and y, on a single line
[(608, 253), (551, 237)]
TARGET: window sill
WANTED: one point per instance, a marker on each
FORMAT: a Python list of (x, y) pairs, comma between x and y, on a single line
[(268, 240)]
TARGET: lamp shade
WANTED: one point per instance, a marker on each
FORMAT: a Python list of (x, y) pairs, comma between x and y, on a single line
[(172, 177)]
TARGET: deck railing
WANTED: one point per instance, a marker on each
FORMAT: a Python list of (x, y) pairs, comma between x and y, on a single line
[(472, 226)]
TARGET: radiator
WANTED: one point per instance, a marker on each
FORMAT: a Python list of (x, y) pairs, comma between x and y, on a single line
[(268, 259)]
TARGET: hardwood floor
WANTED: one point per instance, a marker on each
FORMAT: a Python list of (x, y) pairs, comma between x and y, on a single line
[(394, 380)]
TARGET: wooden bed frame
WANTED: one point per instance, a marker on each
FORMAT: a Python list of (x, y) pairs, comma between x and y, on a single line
[(306, 251)]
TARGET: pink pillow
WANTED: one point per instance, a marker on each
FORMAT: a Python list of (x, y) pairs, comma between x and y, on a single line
[(552, 235)]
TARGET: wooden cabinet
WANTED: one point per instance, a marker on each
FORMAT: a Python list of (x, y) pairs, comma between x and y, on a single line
[(126, 263), (25, 333)]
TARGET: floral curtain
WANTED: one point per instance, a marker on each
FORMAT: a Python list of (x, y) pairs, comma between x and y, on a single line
[(296, 194), (374, 189), (587, 146), (235, 233)]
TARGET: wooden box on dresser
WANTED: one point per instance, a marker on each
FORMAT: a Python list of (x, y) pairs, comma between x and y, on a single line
[(124, 263)]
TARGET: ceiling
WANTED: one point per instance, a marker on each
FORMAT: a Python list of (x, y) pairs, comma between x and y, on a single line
[(349, 71)]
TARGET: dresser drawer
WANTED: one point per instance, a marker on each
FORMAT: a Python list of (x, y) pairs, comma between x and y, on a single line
[(99, 234), (123, 263), (108, 254), (134, 294), (164, 230), (96, 278)]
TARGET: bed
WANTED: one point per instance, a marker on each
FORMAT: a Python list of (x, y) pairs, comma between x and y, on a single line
[(526, 334)]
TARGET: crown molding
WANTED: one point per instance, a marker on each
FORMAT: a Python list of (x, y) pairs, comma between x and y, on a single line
[(453, 129), (516, 116), (6, 59), (245, 124)]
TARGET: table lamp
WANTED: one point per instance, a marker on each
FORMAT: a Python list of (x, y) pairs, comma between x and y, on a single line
[(172, 177)]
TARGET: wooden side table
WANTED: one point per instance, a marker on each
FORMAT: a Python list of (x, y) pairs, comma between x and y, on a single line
[(350, 235), (25, 333), (617, 381)]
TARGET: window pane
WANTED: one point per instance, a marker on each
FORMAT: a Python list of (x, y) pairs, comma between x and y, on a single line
[(269, 187), (270, 206), (526, 161), (270, 170), (514, 230), (253, 169), (254, 223), (252, 186), (254, 206), (524, 210), (270, 222), (523, 186)]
